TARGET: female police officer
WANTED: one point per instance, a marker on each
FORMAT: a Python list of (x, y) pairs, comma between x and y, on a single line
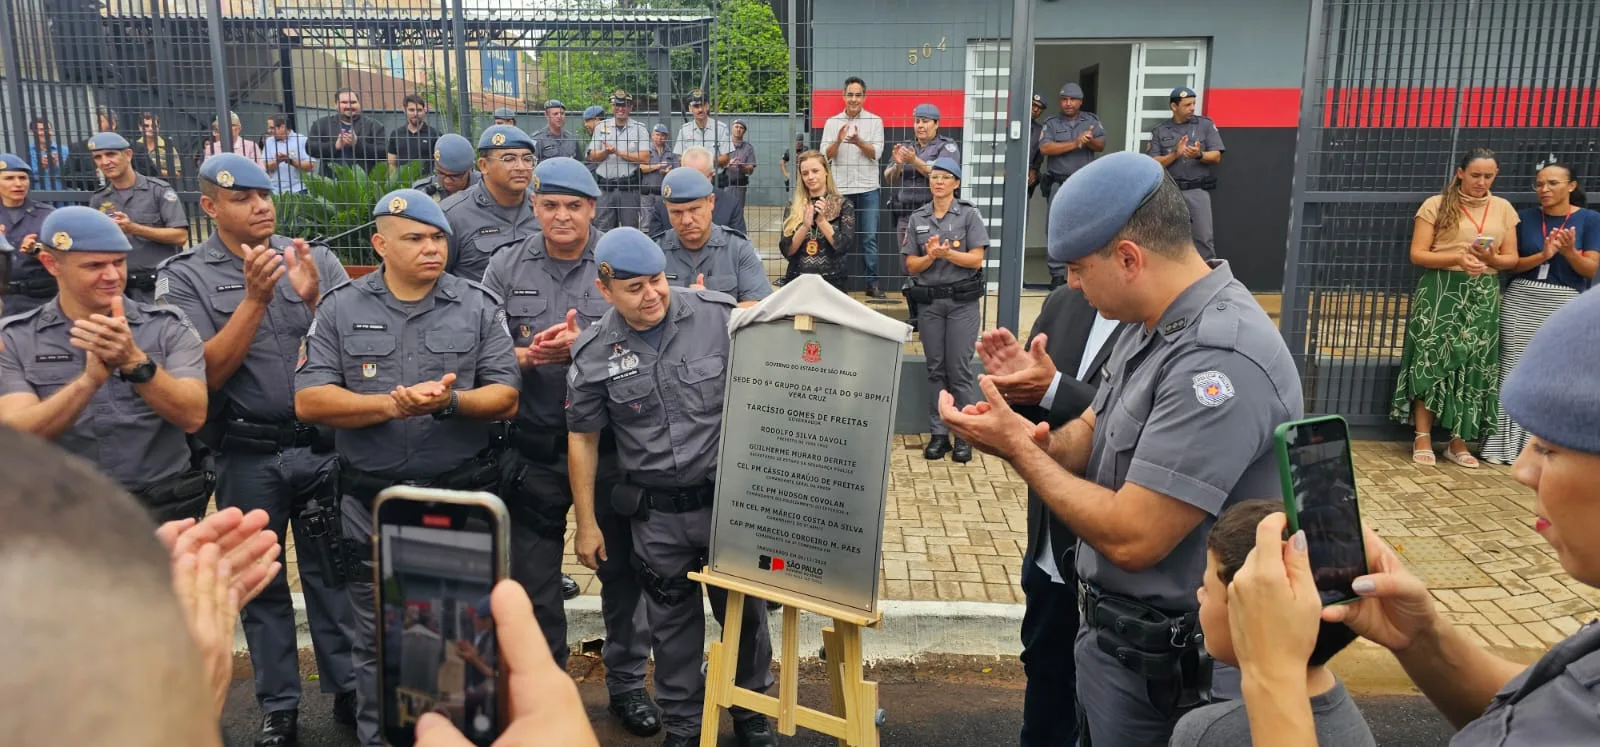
[(1552, 393), (943, 246)]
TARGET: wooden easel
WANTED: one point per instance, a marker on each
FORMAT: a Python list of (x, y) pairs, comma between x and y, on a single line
[(854, 699)]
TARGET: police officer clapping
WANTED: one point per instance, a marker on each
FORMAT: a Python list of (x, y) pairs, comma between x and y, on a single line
[(1551, 393)]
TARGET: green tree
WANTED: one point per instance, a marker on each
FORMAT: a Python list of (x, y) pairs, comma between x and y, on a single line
[(752, 58)]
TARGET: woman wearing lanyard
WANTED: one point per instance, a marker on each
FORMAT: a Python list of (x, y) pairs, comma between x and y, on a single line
[(943, 247), (819, 227), (1558, 250), (1449, 371)]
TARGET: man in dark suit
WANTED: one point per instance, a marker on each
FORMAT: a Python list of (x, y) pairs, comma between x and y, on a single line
[(1053, 380)]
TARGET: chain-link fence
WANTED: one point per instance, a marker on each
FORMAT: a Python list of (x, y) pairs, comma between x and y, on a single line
[(1395, 93)]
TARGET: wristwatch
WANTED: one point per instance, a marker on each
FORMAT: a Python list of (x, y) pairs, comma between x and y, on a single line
[(139, 374), (449, 410)]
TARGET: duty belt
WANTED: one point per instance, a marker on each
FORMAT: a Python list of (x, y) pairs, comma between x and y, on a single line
[(621, 183), (37, 288), (679, 500), (1204, 182), (144, 280), (481, 472), (548, 445), (243, 434), (1160, 646)]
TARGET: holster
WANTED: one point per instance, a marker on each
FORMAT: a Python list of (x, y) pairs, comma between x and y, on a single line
[(181, 496), (530, 502), (481, 472), (273, 438), (35, 288), (668, 591), (1164, 648), (322, 528), (144, 280), (628, 501)]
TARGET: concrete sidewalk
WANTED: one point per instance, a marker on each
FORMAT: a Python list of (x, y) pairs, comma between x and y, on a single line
[(956, 533)]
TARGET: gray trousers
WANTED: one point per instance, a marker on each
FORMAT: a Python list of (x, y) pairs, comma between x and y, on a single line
[(1200, 221), (363, 630), (617, 208), (1117, 703), (1057, 269), (737, 221), (281, 484), (672, 545), (949, 332)]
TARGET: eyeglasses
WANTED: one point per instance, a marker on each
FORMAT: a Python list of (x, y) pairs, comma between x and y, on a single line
[(511, 160)]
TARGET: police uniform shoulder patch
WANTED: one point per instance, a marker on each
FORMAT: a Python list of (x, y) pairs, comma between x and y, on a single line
[(1212, 388), (500, 319), (949, 147), (170, 196), (163, 287)]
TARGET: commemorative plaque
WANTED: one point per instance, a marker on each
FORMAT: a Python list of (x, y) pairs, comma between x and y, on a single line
[(807, 429)]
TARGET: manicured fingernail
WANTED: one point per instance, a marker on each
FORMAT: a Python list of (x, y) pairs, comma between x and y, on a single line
[(1364, 586), (1299, 541)]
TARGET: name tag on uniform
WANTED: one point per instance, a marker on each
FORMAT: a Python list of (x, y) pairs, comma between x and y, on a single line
[(524, 291), (53, 358), (626, 375), (488, 231), (672, 276), (924, 229), (360, 327), (230, 287)]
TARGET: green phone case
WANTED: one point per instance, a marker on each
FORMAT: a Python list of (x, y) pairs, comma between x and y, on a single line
[(1280, 445)]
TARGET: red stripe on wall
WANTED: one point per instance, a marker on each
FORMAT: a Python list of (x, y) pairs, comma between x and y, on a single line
[(1253, 107), (1480, 107), (894, 105)]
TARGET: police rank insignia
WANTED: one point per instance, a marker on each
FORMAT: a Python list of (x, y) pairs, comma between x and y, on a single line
[(666, 192), (498, 139), (524, 330), (1212, 388), (536, 183), (369, 370), (61, 241), (225, 179), (606, 271), (108, 207), (436, 154), (397, 205)]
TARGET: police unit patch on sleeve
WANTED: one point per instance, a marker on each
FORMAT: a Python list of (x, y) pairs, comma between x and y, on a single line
[(500, 319), (171, 197), (163, 285), (1212, 388), (950, 147)]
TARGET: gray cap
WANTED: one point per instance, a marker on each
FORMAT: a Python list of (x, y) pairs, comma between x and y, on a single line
[(661, 129), (626, 253), (925, 111), (504, 112), (108, 141), (946, 164), (685, 185), (233, 171), (414, 205), (454, 153), (1552, 393), (1093, 204), (504, 137), (1180, 93), (555, 104), (1072, 91), (76, 228), (564, 176)]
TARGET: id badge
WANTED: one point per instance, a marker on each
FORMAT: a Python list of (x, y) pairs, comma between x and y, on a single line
[(1544, 271)]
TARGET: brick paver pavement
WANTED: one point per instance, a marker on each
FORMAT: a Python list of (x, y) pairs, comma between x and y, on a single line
[(957, 532)]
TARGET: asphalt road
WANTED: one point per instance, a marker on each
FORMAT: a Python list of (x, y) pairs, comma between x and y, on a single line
[(932, 704)]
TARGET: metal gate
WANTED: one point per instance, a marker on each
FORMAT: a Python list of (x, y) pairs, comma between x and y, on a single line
[(1394, 93)]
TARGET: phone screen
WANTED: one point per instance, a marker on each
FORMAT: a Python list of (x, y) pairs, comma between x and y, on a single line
[(437, 564), (1324, 485)]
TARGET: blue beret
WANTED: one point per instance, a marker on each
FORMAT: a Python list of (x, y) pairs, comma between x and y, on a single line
[(947, 165), (1551, 392), (1038, 99), (925, 111), (454, 153), (76, 228), (1072, 91), (233, 171), (593, 111), (482, 608), (1180, 93), (108, 141), (413, 204), (1095, 203), (504, 112), (504, 137), (10, 162), (661, 128), (564, 176), (555, 104), (625, 253), (685, 185)]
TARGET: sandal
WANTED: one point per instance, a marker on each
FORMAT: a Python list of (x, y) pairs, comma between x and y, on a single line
[(1462, 458), (1422, 456)]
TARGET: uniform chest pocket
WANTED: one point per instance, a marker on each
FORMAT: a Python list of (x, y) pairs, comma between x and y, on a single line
[(634, 400), (48, 378), (591, 309), (370, 365), (702, 383), (487, 243), (525, 312), (723, 283), (450, 351), (227, 302)]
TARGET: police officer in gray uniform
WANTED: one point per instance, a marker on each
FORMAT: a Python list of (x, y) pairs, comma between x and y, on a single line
[(505, 116), (29, 286), (591, 122), (1189, 146), (555, 141), (619, 146), (1180, 430), (1067, 142), (701, 253), (251, 295), (653, 369), (116, 381), (452, 168), (907, 175), (943, 246), (1035, 129), (547, 284), (662, 160), (145, 208), (409, 365), (495, 212)]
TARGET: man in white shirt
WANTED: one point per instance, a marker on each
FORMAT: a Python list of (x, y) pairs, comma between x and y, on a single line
[(852, 140), (705, 132), (284, 155)]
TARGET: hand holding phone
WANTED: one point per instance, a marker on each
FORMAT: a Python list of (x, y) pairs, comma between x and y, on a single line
[(1319, 496)]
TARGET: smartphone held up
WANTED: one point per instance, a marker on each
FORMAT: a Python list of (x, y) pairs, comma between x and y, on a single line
[(438, 555), (1319, 496)]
